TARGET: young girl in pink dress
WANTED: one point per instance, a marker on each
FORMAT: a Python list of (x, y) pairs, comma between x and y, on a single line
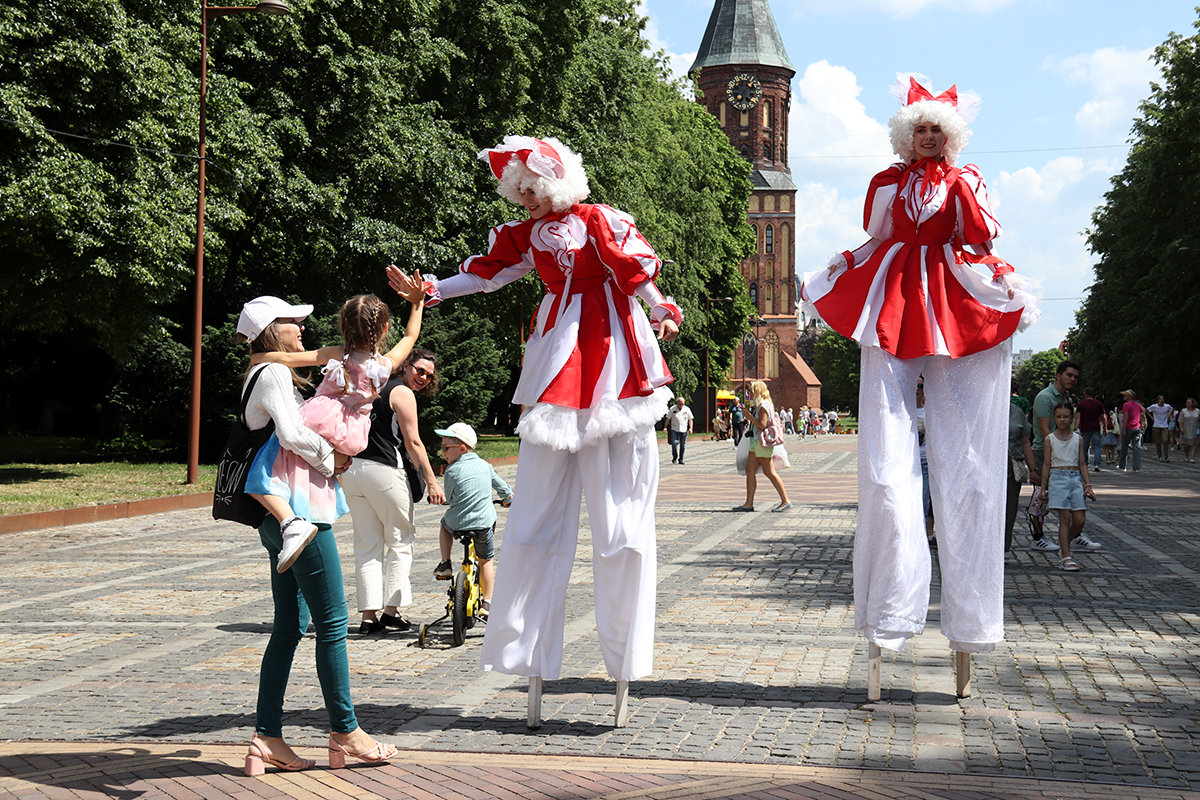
[(287, 486)]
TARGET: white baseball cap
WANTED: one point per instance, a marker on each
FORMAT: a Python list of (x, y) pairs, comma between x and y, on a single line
[(262, 311), (461, 431)]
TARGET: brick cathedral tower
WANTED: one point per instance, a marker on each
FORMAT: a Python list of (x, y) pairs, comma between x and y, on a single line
[(744, 76)]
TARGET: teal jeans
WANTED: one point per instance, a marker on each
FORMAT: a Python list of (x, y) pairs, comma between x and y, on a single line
[(312, 588)]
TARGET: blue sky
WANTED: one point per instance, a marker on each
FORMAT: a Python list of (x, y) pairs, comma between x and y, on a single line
[(1060, 82)]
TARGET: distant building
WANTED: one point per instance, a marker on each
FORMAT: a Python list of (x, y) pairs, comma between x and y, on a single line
[(744, 76), (1019, 358)]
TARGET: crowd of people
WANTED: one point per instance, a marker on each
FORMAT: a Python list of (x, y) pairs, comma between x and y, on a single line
[(729, 422)]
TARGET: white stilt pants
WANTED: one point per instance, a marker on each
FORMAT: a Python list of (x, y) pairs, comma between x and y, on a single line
[(966, 440), (619, 478)]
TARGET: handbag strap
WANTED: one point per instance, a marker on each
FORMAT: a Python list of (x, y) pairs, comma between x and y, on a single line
[(246, 394)]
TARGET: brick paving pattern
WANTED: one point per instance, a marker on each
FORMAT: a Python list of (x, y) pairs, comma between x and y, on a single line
[(130, 652)]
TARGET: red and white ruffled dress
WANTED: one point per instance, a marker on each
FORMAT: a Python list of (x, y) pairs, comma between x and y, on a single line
[(913, 289), (592, 367)]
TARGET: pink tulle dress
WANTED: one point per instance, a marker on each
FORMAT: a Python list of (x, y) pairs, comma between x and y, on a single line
[(342, 418)]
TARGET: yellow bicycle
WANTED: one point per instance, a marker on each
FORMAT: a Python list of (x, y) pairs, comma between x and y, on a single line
[(465, 597)]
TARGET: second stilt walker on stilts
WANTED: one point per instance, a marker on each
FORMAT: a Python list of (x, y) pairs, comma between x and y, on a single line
[(917, 303), (592, 388)]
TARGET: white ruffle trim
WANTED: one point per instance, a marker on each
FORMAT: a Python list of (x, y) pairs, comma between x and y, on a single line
[(561, 428), (1024, 288)]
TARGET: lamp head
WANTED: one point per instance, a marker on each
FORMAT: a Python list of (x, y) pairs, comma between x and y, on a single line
[(277, 7)]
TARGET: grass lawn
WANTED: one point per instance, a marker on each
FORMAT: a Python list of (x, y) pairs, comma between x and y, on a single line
[(44, 473), (27, 487)]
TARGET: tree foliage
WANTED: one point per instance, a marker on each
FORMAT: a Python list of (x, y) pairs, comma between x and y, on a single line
[(1142, 313), (838, 363), (1038, 372), (341, 137)]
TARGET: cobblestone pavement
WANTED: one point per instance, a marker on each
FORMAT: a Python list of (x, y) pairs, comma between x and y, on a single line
[(130, 652)]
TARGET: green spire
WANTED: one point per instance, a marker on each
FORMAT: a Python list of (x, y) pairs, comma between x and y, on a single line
[(742, 32)]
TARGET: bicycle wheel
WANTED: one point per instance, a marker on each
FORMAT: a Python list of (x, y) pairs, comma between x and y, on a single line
[(458, 612)]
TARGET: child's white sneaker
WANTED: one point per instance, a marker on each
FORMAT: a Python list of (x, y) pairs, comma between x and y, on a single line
[(297, 533)]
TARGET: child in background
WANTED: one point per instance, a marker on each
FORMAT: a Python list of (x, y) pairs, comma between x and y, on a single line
[(287, 486), (468, 485), (1065, 481)]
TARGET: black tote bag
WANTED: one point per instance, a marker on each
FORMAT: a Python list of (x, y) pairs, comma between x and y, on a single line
[(230, 500)]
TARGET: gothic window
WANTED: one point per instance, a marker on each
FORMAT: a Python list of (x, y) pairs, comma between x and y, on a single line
[(772, 354), (754, 210), (754, 295), (721, 114), (770, 239), (754, 228), (767, 154), (745, 150), (768, 299), (770, 269), (745, 120), (766, 114)]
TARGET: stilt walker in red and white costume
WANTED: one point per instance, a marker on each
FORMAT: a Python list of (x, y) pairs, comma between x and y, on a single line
[(592, 389), (916, 303)]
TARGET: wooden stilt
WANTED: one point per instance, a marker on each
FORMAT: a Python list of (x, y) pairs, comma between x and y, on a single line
[(622, 706), (962, 674), (534, 716), (874, 671)]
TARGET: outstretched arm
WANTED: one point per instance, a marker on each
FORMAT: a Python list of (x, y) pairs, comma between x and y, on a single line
[(307, 358), (414, 292)]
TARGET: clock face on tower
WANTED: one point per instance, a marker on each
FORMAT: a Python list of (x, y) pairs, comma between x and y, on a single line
[(744, 91)]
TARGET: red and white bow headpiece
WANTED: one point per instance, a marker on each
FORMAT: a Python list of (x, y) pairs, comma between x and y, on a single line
[(908, 90), (538, 156)]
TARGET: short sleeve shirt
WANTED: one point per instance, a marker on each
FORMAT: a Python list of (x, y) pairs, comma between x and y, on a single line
[(1043, 406)]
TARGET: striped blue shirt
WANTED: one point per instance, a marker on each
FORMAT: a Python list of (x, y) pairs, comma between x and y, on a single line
[(468, 485)]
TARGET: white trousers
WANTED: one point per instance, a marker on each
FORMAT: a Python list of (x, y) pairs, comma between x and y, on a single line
[(619, 478), (966, 423), (384, 531)]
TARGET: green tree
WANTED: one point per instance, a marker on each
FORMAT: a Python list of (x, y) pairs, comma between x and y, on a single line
[(837, 362), (341, 137), (1038, 372), (1142, 313)]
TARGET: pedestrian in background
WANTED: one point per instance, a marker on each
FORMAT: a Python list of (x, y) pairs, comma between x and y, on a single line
[(1091, 424), (679, 418), (1132, 420)]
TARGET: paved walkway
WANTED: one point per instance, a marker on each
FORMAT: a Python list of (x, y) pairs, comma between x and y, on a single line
[(130, 652)]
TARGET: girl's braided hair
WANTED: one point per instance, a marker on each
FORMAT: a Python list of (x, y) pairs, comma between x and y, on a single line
[(363, 320)]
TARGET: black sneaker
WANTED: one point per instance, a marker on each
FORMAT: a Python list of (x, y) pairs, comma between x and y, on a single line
[(444, 571)]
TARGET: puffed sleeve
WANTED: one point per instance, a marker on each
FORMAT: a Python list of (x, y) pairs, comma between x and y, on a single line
[(881, 195), (622, 248), (508, 258), (976, 223), (976, 226)]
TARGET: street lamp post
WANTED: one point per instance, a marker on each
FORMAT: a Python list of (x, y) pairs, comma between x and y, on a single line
[(708, 301), (206, 13)]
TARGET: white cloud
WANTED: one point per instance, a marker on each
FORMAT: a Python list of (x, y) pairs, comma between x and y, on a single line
[(893, 8), (1119, 79), (679, 62), (831, 137), (1029, 185)]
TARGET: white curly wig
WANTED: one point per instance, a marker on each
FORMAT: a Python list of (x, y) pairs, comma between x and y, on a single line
[(562, 192), (904, 122)]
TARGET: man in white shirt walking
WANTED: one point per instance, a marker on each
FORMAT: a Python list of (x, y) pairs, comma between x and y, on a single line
[(679, 419)]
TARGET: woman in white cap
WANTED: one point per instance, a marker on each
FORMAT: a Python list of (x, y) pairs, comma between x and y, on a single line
[(592, 388), (913, 300), (312, 588)]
